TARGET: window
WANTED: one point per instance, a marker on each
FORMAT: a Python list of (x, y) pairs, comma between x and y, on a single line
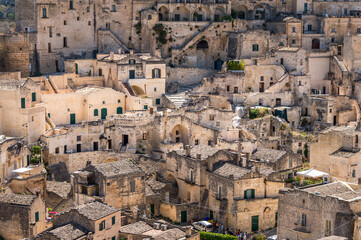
[(249, 193), (78, 138), (228, 88), (45, 15), (196, 142), (113, 220), (155, 89), (113, 8), (149, 17), (71, 4), (132, 186), (100, 72), (131, 74), (78, 148), (37, 217), (255, 47), (156, 73), (309, 27), (144, 136), (333, 30), (107, 26), (278, 101), (57, 150), (49, 47), (131, 61), (356, 139), (95, 146), (65, 42), (77, 18), (293, 41), (293, 29), (157, 101), (145, 107), (290, 163), (353, 173), (219, 195), (262, 79), (304, 220), (328, 228), (305, 7), (65, 22), (22, 102), (102, 226), (332, 39), (33, 97), (65, 148), (209, 143), (191, 177), (113, 238), (89, 23), (235, 90), (88, 9), (281, 61), (96, 112), (345, 12), (211, 117), (50, 32), (358, 30)]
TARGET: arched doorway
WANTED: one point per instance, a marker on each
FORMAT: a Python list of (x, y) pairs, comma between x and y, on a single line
[(202, 45), (242, 12), (163, 13), (104, 113), (218, 14), (315, 43), (174, 191), (179, 134), (119, 110), (218, 64), (181, 14)]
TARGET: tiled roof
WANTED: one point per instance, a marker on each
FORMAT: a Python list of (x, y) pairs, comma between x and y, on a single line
[(339, 190), (67, 232), (11, 84), (266, 154), (136, 228), (117, 168), (171, 234), (204, 150), (19, 199), (62, 189), (229, 169), (155, 185), (95, 210)]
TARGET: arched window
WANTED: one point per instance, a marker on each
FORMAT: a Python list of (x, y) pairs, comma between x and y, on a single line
[(76, 68), (96, 112), (45, 15), (202, 45), (255, 47), (119, 110)]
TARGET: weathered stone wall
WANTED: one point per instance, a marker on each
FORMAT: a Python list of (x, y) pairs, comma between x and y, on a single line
[(187, 76)]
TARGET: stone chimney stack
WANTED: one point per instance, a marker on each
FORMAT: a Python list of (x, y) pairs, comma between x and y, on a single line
[(111, 56), (188, 150)]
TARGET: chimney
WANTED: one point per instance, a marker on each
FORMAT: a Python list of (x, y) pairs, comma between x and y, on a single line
[(244, 162), (188, 150), (249, 154), (111, 56), (188, 231)]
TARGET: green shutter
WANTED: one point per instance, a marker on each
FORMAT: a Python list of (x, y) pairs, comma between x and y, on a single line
[(253, 193), (22, 102), (119, 110), (113, 220), (28, 160), (96, 112), (113, 238), (145, 107), (72, 118), (48, 115), (157, 101), (245, 194), (37, 217), (33, 97)]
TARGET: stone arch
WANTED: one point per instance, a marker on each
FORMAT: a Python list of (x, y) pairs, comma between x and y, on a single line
[(242, 12), (174, 191), (201, 14), (163, 13), (181, 13), (259, 12), (179, 133), (219, 13), (202, 45), (138, 90)]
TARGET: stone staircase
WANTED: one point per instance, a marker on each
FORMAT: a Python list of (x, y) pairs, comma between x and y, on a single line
[(181, 98)]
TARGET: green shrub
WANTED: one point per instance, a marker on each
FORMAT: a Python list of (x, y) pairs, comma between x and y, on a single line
[(36, 155), (162, 34), (260, 236), (235, 65), (216, 236), (258, 112), (138, 27)]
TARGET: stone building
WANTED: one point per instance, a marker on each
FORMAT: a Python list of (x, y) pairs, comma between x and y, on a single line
[(93, 220), (22, 111), (318, 211), (120, 184), (22, 216)]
